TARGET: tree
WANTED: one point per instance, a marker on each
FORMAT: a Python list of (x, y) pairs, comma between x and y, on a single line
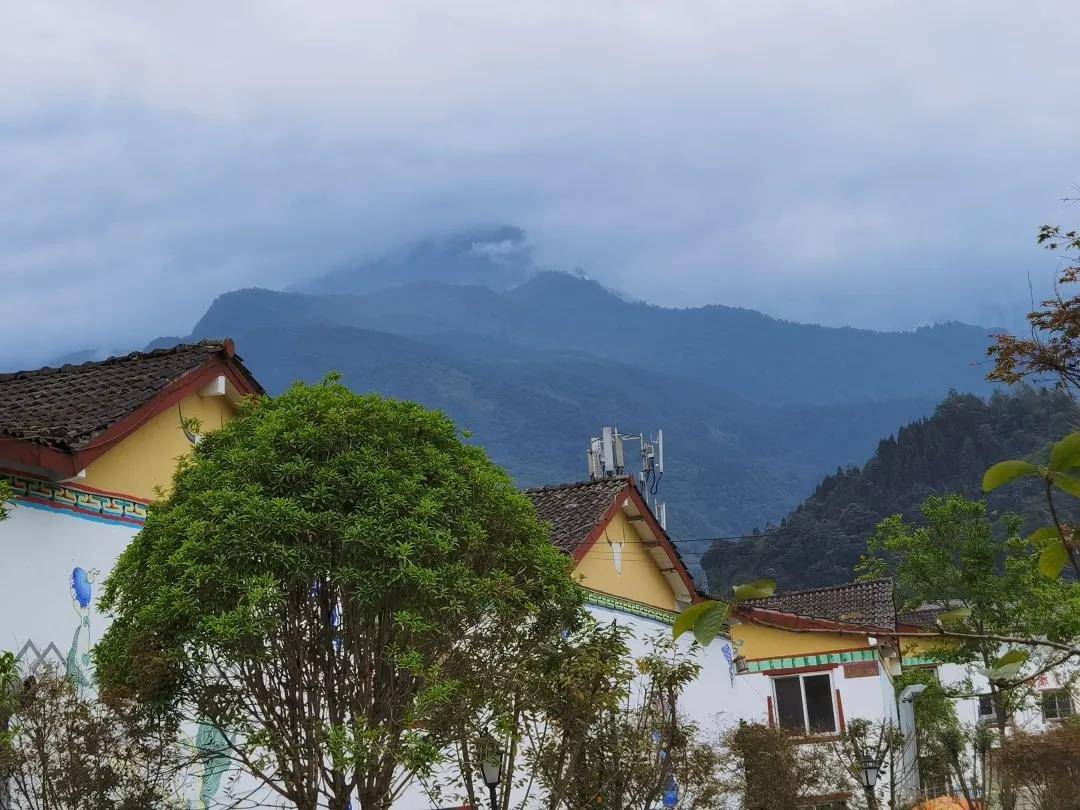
[(862, 743), (629, 751), (589, 724), (1046, 766), (331, 577), (986, 583), (947, 748), (66, 750), (767, 768), (1052, 351)]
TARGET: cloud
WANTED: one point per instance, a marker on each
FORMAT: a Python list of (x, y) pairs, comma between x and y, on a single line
[(882, 165)]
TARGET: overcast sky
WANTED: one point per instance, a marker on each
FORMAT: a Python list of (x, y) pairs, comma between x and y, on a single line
[(881, 165)]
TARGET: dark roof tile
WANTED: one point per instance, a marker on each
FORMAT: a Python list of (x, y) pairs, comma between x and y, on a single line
[(867, 604), (66, 408), (574, 510)]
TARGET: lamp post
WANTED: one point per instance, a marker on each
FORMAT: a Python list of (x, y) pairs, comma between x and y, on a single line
[(868, 774), (491, 768)]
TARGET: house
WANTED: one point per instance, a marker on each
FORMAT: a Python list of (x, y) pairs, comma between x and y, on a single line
[(84, 448), (1049, 699), (812, 660)]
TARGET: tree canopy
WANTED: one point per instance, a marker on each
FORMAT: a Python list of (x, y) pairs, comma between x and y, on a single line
[(330, 578)]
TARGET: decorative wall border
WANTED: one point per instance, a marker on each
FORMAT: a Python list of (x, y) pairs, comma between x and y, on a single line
[(813, 660), (605, 600), (920, 661), (73, 500)]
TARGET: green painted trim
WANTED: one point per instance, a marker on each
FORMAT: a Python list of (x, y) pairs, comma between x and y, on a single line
[(920, 661), (813, 660), (629, 606)]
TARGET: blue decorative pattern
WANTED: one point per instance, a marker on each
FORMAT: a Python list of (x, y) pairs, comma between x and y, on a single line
[(65, 497)]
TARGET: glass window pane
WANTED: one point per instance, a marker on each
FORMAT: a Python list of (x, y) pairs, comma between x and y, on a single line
[(819, 703), (789, 707)]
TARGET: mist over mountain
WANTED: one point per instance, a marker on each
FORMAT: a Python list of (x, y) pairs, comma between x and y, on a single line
[(755, 409), (496, 256)]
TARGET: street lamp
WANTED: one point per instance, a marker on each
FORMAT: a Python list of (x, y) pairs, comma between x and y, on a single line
[(868, 774), (491, 768)]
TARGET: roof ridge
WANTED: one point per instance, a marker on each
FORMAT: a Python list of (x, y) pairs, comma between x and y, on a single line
[(577, 484), (68, 368), (822, 588)]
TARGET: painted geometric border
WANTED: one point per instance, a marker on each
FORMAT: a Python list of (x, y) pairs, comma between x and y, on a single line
[(72, 499), (629, 606), (846, 657)]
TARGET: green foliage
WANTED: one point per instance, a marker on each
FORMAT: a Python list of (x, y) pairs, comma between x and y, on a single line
[(983, 575), (822, 540), (1005, 471), (1057, 540), (5, 497), (708, 619), (621, 753), (945, 745), (769, 769), (66, 750), (332, 572)]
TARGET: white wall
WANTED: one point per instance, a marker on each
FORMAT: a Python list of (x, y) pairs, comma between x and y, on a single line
[(40, 550)]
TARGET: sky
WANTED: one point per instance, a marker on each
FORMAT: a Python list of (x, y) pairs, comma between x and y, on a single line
[(876, 164)]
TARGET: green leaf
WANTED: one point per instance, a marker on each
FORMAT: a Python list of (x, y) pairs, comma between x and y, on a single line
[(688, 617), (758, 589), (710, 623), (1067, 483), (1005, 471), (954, 616), (1052, 559), (1065, 454), (1008, 666), (1012, 657), (1045, 533)]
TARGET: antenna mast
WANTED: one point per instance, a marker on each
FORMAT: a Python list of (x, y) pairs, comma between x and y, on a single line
[(607, 458)]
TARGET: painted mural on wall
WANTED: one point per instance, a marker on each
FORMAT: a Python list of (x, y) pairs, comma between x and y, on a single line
[(78, 657)]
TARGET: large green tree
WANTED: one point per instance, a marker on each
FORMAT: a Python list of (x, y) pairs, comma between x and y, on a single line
[(985, 580), (329, 580)]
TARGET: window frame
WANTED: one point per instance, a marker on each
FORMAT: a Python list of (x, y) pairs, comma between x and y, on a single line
[(802, 676), (1057, 695)]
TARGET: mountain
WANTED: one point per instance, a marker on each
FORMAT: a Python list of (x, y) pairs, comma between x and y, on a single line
[(744, 352), (730, 461), (820, 541), (755, 409), (497, 256)]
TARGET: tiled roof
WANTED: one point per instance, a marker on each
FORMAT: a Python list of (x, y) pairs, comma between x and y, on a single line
[(66, 408), (573, 510), (868, 604), (923, 617)]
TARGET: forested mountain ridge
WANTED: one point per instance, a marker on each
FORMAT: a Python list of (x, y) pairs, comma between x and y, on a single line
[(746, 352), (755, 409), (821, 540)]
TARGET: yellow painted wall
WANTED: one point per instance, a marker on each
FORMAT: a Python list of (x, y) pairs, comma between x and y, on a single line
[(924, 647), (770, 642), (147, 457), (641, 579)]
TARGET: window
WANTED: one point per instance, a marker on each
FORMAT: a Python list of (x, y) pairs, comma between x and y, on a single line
[(804, 703), (987, 713), (1057, 704)]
